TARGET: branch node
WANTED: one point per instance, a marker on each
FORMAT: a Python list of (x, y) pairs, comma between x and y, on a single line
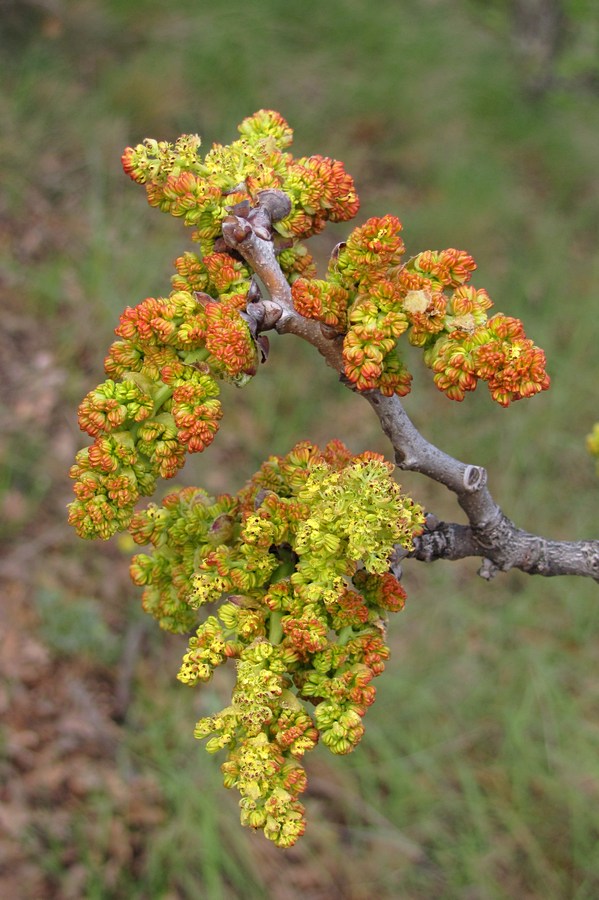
[(272, 314), (328, 331), (475, 478), (395, 559), (235, 230), (402, 461), (276, 203), (254, 292)]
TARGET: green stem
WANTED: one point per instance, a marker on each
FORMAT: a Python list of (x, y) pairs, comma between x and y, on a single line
[(194, 356), (161, 396), (275, 631), (345, 634)]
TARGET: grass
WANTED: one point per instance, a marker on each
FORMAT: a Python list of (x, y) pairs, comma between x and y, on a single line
[(478, 776)]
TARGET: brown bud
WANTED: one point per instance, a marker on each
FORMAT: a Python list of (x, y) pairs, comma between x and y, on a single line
[(263, 345), (235, 229), (241, 209), (328, 331), (254, 316), (260, 497), (203, 298), (254, 292), (221, 246), (276, 203), (272, 314), (431, 522), (337, 249), (282, 243), (221, 529), (261, 223)]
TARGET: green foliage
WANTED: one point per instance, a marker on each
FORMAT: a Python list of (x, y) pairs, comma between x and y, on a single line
[(75, 627)]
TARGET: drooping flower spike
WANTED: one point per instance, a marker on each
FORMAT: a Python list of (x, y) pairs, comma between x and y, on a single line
[(297, 568)]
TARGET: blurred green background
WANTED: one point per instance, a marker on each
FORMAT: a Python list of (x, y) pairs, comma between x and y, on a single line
[(478, 125)]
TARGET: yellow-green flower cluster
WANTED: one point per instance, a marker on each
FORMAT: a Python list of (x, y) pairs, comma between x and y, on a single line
[(332, 528), (181, 531), (297, 566), (266, 731), (593, 443)]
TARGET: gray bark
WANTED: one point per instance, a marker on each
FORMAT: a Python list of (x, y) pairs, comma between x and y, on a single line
[(489, 533)]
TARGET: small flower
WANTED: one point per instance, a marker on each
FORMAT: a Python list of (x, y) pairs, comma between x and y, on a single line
[(229, 340), (192, 274), (227, 274), (110, 405), (340, 726), (320, 190), (264, 124), (372, 251), (445, 268), (321, 300), (206, 650)]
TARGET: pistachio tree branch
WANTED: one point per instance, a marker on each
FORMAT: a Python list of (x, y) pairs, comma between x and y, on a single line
[(277, 311), (489, 533)]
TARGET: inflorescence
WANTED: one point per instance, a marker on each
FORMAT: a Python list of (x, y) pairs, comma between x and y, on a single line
[(371, 297), (160, 401), (299, 564), (593, 443)]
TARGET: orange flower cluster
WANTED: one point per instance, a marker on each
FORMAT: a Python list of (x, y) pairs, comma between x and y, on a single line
[(228, 339), (361, 298), (163, 405), (372, 297), (497, 352), (322, 300), (320, 190)]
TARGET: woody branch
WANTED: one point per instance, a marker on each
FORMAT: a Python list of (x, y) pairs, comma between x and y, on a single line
[(489, 533)]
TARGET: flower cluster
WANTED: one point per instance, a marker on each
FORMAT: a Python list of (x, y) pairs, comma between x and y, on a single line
[(593, 443), (298, 562), (497, 351), (372, 297), (203, 189), (181, 531), (161, 397), (159, 402)]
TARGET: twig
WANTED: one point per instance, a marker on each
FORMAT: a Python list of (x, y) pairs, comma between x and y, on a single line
[(490, 533)]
